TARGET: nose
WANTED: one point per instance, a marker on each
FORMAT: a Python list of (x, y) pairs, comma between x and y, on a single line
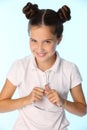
[(40, 46)]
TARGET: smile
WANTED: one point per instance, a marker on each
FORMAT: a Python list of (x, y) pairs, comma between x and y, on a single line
[(41, 54)]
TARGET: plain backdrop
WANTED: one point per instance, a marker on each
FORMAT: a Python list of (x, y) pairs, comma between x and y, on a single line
[(14, 44)]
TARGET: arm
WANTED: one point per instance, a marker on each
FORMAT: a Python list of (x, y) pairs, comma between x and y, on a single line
[(9, 104), (77, 107)]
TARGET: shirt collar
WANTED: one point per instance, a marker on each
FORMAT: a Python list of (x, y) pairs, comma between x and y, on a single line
[(56, 65), (33, 64), (54, 68)]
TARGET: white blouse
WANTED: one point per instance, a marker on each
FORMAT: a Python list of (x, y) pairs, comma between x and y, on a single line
[(43, 115)]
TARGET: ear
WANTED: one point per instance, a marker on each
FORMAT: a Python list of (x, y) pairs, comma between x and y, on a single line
[(59, 39)]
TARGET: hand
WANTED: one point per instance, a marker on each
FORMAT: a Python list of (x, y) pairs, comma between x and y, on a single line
[(36, 94), (53, 96)]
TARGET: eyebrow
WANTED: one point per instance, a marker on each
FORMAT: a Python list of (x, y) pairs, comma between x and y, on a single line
[(48, 40), (43, 40), (32, 38)]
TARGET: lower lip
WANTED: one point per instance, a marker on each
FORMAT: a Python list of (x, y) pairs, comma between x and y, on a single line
[(41, 55)]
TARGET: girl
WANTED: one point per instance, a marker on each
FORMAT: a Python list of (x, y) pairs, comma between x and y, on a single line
[(44, 79)]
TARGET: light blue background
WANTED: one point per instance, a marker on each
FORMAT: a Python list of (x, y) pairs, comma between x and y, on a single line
[(14, 44)]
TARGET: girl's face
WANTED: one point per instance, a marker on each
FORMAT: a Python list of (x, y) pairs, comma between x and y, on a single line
[(43, 43)]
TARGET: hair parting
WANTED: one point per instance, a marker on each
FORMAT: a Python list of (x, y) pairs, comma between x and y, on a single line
[(43, 17), (47, 17)]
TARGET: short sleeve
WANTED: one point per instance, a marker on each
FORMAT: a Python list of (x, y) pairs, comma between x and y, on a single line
[(75, 76), (15, 74)]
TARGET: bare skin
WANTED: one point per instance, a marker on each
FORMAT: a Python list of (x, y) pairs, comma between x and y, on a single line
[(9, 104), (43, 46), (77, 107)]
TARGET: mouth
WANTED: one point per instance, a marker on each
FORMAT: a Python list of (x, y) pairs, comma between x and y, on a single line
[(41, 54)]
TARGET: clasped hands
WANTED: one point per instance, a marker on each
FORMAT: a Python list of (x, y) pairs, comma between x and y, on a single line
[(52, 95)]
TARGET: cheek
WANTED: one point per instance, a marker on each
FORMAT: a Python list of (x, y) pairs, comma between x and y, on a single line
[(32, 47), (53, 48)]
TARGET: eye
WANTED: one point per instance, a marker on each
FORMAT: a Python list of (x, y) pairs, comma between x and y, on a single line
[(47, 42), (33, 40)]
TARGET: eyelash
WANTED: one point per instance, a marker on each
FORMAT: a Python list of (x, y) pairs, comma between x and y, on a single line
[(47, 42), (32, 40)]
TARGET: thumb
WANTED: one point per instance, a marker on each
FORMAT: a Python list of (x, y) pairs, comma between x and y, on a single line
[(47, 88)]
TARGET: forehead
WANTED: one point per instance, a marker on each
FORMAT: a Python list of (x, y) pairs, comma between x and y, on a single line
[(41, 31)]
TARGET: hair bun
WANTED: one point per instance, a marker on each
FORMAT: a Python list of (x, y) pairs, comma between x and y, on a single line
[(30, 10), (64, 14)]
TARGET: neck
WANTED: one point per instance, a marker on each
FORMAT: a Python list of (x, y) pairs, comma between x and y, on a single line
[(46, 65)]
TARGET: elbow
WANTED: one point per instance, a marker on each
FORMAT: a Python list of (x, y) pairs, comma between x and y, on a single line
[(83, 112)]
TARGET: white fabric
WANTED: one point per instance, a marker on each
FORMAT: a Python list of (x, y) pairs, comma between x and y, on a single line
[(43, 115)]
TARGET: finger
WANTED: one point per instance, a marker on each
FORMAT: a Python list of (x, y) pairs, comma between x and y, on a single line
[(40, 93), (47, 88), (49, 94), (52, 100), (38, 97), (39, 89)]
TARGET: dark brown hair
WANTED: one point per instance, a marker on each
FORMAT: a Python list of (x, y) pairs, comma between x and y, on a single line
[(48, 17)]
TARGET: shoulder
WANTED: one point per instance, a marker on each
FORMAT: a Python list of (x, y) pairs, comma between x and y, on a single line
[(23, 62), (25, 59), (67, 64), (69, 67), (71, 72), (18, 69), (20, 65)]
